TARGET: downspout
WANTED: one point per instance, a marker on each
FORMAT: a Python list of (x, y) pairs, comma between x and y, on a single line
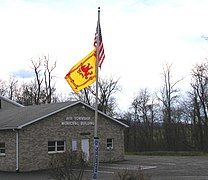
[(17, 151)]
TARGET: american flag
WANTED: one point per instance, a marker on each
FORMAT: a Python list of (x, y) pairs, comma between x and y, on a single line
[(98, 37)]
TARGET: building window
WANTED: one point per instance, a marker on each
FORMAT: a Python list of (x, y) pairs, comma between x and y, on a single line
[(0, 103), (109, 143), (74, 145), (56, 146), (2, 148)]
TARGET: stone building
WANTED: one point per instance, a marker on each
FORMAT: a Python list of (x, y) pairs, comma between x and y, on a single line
[(30, 135)]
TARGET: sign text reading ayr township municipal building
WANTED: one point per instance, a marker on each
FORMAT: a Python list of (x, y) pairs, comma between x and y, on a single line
[(78, 121)]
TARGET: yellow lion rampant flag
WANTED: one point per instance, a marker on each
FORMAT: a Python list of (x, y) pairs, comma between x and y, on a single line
[(83, 73)]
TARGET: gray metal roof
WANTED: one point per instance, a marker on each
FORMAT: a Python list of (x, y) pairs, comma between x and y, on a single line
[(20, 117)]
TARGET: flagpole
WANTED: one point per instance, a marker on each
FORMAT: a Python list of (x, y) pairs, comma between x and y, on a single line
[(97, 73), (96, 139)]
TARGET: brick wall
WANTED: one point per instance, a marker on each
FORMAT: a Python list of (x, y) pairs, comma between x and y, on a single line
[(33, 139), (8, 161)]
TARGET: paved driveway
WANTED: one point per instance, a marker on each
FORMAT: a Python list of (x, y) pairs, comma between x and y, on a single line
[(170, 167), (155, 167)]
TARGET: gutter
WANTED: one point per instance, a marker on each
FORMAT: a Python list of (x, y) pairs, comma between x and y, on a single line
[(17, 149)]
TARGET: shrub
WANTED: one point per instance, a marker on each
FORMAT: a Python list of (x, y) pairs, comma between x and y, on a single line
[(129, 174), (67, 166)]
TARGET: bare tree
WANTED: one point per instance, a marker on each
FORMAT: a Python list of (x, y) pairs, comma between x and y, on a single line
[(37, 69), (143, 109), (12, 87), (3, 88), (200, 104), (85, 96), (194, 122), (44, 88), (107, 88), (25, 94), (168, 96), (106, 99), (200, 85), (49, 88)]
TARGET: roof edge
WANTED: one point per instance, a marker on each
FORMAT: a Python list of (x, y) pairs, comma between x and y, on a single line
[(100, 112), (70, 105), (10, 101)]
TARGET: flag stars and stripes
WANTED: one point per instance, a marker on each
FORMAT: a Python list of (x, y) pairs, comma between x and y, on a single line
[(98, 43)]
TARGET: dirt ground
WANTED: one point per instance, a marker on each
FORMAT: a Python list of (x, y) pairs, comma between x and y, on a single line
[(154, 167)]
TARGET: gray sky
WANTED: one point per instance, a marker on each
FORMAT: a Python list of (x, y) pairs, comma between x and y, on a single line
[(139, 37)]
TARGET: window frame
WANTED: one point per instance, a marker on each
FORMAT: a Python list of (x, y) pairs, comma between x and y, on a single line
[(110, 145), (60, 146), (2, 147), (56, 146)]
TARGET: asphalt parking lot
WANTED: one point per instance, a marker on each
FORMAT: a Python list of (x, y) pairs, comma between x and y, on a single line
[(154, 167), (171, 167)]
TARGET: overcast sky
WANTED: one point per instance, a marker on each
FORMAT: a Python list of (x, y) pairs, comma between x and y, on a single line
[(139, 37)]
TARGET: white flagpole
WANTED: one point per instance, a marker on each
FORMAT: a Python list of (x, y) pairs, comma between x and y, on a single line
[(97, 72), (96, 139)]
